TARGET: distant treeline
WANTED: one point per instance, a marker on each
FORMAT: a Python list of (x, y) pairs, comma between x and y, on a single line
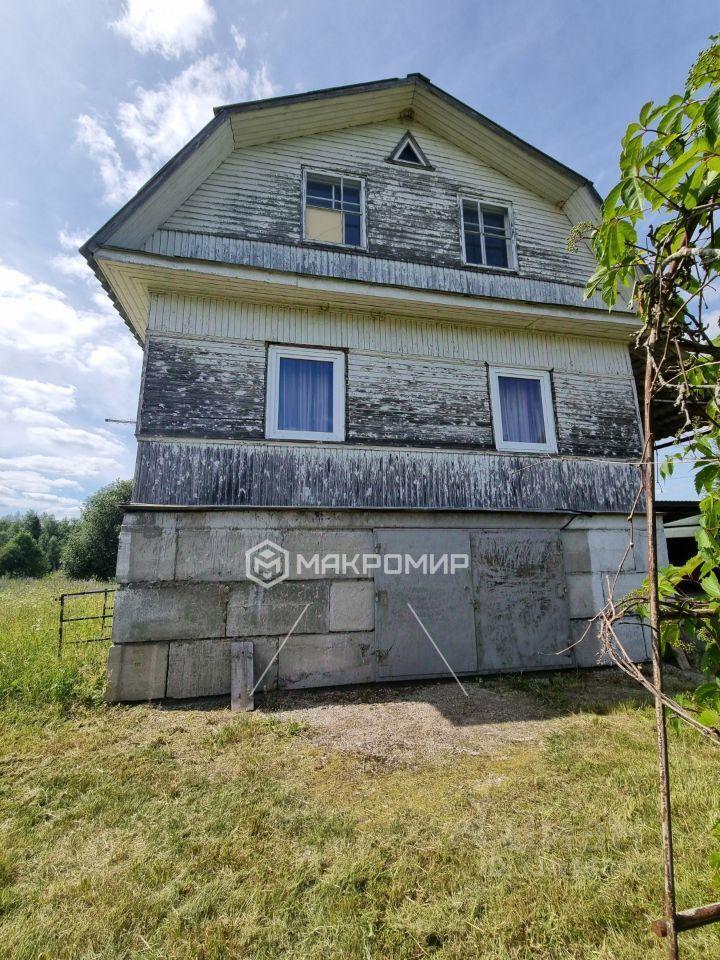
[(32, 545)]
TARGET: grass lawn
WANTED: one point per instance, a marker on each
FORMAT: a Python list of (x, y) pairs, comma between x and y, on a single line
[(193, 833)]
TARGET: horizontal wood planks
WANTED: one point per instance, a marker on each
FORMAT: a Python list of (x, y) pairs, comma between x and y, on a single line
[(203, 389), (408, 383), (412, 215), (210, 474), (317, 261), (213, 318)]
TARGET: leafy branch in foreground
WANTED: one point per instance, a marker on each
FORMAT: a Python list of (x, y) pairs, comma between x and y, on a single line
[(658, 250)]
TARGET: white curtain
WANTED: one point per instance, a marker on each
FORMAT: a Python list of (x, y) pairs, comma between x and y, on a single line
[(306, 395), (522, 411)]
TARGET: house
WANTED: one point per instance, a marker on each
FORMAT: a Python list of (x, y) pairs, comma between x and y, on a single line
[(373, 398)]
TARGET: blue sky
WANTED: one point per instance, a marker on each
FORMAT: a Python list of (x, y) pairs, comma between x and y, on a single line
[(98, 94)]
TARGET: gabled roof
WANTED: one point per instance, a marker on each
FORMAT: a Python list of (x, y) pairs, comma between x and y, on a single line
[(412, 97)]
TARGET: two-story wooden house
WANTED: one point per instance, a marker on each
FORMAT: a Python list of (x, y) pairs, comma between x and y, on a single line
[(364, 337)]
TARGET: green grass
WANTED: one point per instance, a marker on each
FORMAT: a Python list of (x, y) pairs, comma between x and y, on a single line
[(133, 832)]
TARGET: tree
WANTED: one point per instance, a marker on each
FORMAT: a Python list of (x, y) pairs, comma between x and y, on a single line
[(52, 538), (659, 239), (22, 557), (91, 548), (33, 524)]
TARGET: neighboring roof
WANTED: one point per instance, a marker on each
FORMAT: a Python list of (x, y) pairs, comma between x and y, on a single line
[(677, 512)]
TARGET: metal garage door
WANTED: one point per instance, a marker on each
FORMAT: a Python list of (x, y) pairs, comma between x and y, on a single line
[(443, 602), (522, 612)]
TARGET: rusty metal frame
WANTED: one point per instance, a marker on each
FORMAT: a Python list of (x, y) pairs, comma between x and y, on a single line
[(106, 618)]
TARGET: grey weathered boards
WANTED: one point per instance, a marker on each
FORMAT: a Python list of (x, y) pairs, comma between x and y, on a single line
[(522, 612), (443, 601)]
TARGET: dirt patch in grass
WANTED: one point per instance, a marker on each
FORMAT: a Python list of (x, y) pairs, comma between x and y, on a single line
[(435, 721)]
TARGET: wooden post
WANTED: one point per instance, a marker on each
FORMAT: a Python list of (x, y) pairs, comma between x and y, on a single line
[(689, 919), (660, 718), (241, 675)]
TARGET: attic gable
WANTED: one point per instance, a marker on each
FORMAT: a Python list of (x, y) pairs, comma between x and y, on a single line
[(281, 118)]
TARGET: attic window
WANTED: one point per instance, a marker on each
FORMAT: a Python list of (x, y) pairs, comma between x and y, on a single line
[(409, 154), (334, 209), (487, 235)]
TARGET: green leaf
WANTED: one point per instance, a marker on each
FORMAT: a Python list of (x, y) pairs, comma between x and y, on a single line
[(645, 112), (711, 586), (673, 174), (611, 200), (711, 115)]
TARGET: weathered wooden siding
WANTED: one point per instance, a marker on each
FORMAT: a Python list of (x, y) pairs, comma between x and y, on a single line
[(417, 402), (412, 215), (203, 389), (344, 264), (233, 319), (291, 475), (412, 384), (596, 417)]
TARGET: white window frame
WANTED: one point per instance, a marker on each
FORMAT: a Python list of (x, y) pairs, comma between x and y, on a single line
[(312, 172), (494, 207), (543, 376), (337, 357)]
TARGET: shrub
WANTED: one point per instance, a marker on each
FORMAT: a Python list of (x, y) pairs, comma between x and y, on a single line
[(22, 557), (91, 548)]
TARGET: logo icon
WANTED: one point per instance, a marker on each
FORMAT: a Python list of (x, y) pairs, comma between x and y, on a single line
[(267, 563)]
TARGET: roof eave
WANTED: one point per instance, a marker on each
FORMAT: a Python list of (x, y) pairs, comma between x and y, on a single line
[(415, 80), (153, 184)]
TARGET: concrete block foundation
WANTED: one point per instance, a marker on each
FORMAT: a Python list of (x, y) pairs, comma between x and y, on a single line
[(184, 595)]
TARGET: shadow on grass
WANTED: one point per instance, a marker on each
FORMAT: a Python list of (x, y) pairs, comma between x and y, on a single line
[(490, 700)]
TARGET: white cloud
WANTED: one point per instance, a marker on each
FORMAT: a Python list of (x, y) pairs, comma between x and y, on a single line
[(56, 361), (159, 121), (168, 27), (63, 436), (36, 317), (238, 37), (109, 361), (72, 241), (74, 267), (86, 467), (73, 264), (17, 392), (27, 415), (262, 86)]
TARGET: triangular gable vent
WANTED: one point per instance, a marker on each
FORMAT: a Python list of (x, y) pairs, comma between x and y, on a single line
[(408, 153)]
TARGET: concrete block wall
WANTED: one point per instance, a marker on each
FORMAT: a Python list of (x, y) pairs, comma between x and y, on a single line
[(184, 594)]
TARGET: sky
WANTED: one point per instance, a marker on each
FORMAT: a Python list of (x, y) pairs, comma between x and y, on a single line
[(97, 94)]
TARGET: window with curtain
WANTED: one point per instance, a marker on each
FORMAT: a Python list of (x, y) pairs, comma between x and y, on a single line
[(487, 238), (334, 209), (522, 410), (305, 394)]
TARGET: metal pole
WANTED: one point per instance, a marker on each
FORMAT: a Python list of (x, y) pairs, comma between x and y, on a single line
[(60, 626), (657, 669), (102, 628)]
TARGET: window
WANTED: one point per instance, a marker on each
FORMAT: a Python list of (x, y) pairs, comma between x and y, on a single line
[(487, 235), (522, 410), (334, 210), (408, 153), (305, 394)]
